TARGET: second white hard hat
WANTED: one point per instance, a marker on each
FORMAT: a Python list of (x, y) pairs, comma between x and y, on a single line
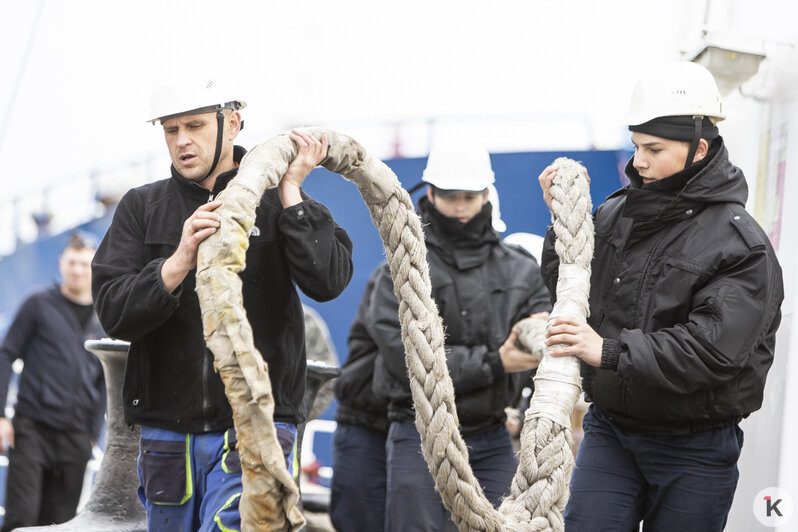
[(681, 88), (459, 167), (189, 97)]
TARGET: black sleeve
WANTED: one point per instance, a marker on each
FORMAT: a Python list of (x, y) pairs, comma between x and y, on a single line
[(15, 345), (129, 295), (317, 250), (550, 264)]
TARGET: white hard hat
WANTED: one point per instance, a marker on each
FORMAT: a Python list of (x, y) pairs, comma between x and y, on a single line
[(681, 88), (458, 168), (190, 97), (496, 214)]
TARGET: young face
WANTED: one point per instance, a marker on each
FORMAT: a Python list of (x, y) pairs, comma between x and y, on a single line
[(191, 140), (461, 206), (657, 158), (75, 267)]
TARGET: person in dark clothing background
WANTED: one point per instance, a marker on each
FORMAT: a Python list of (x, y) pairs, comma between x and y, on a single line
[(685, 302), (144, 281), (61, 403), (357, 499), (357, 494), (482, 287)]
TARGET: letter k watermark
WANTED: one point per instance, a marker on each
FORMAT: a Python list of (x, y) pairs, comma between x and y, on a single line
[(773, 507)]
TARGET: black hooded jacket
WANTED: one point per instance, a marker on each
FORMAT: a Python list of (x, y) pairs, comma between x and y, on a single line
[(686, 293), (170, 381), (482, 287), (357, 402)]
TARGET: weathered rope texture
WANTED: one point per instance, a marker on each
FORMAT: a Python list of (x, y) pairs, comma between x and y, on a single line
[(270, 495)]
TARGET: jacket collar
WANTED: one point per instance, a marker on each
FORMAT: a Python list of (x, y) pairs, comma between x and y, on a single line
[(713, 180), (197, 191)]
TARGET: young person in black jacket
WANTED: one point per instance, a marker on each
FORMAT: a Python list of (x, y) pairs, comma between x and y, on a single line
[(482, 287), (685, 301), (60, 405), (144, 283)]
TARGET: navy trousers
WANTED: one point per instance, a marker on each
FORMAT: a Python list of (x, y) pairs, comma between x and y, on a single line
[(357, 498), (411, 500), (680, 483), (45, 474), (192, 482)]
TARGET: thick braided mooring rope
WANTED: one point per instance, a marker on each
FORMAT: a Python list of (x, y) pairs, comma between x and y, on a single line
[(540, 487), (270, 495)]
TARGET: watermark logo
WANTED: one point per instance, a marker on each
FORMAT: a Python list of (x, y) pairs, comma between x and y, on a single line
[(773, 507)]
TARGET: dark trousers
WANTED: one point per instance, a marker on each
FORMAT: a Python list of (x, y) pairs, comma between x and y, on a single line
[(411, 500), (45, 474), (357, 499), (680, 483)]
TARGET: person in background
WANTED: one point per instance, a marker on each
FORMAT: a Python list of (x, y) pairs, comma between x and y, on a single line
[(482, 288), (144, 281), (61, 401), (685, 299), (357, 498)]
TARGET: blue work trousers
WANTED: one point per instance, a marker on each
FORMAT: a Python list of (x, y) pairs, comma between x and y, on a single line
[(621, 478), (357, 499), (192, 482), (411, 500)]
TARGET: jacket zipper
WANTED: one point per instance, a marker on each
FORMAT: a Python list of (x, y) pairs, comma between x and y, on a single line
[(205, 370), (644, 276), (205, 402)]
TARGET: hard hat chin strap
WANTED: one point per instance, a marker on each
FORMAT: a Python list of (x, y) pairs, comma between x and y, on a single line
[(219, 134), (694, 143)]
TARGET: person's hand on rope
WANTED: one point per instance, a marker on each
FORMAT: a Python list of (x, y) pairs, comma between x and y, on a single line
[(197, 227), (578, 339), (514, 357), (545, 178), (311, 151)]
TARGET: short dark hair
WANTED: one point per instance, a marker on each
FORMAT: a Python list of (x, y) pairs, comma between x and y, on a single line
[(79, 242)]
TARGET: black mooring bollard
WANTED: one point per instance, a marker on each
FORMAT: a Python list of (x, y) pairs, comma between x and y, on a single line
[(113, 505)]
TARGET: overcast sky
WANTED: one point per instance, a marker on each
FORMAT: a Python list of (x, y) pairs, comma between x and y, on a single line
[(524, 74)]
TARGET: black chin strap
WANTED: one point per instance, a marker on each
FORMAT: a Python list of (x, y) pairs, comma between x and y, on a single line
[(694, 143), (219, 134)]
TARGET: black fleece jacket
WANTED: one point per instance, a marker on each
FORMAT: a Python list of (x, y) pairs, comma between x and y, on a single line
[(62, 385), (170, 381)]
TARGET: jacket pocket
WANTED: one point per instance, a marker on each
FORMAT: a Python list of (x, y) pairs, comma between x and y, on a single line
[(165, 471)]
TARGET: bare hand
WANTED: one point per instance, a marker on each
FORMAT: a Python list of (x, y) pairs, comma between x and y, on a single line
[(197, 227), (310, 152), (546, 177), (6, 434), (578, 339), (515, 359)]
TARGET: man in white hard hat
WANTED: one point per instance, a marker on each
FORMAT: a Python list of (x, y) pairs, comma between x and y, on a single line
[(482, 288), (685, 301), (143, 285)]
